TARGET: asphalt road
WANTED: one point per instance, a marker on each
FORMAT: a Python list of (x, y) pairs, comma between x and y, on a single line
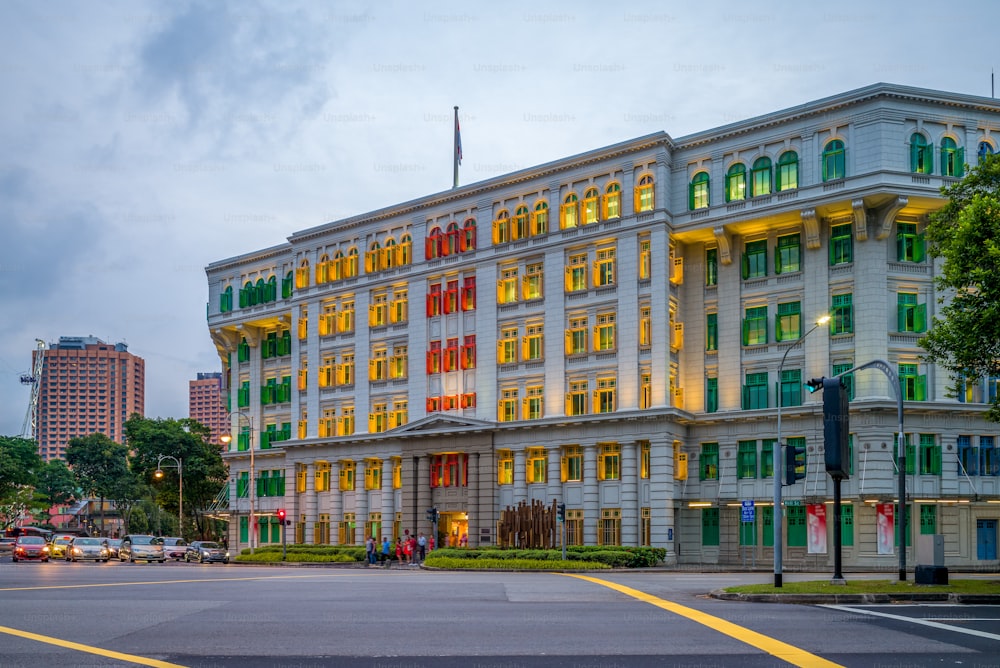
[(92, 614)]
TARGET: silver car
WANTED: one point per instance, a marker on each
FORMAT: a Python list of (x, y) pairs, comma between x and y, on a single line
[(141, 547), (84, 547)]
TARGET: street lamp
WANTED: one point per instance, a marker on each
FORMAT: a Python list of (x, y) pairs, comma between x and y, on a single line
[(776, 458), (180, 487), (252, 492)]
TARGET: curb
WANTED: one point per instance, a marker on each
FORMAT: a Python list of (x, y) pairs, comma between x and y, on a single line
[(858, 599)]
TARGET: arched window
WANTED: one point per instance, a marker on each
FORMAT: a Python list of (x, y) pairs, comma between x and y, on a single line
[(302, 274), (591, 200), (698, 194), (404, 251), (322, 269), (952, 158), (540, 219), (788, 171), (373, 258), (569, 213), (501, 227), (469, 235), (259, 291), (337, 270), (921, 154), (286, 285), (351, 263), (736, 182), (985, 149), (451, 239), (226, 300), (644, 194), (612, 201), (833, 160), (519, 230), (389, 257), (271, 291), (434, 246), (760, 177)]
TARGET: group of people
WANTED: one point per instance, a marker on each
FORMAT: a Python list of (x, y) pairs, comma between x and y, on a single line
[(409, 549)]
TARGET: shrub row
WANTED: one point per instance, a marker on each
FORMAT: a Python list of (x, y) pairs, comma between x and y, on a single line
[(439, 561), (612, 556)]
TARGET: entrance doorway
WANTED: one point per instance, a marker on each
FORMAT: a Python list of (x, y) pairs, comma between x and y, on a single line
[(453, 530), (986, 539)]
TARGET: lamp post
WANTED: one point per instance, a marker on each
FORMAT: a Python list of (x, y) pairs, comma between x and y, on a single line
[(776, 458), (252, 491), (180, 487)]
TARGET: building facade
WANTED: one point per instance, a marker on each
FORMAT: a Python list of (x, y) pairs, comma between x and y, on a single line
[(87, 386), (207, 405), (614, 331)]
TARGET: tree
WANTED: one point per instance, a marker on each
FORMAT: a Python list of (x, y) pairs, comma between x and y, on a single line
[(55, 486), (19, 465), (187, 440), (965, 233), (99, 464)]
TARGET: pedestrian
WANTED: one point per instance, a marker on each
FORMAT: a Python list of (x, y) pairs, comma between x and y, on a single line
[(370, 550), (386, 557), (399, 550), (408, 549), (430, 543), (422, 547)]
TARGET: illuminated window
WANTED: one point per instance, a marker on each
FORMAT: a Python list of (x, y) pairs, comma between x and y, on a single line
[(605, 332), (736, 182), (698, 192), (378, 310), (533, 281), (576, 336), (302, 275), (345, 421), (399, 306), (605, 267), (644, 194), (378, 365), (347, 469), (469, 235), (605, 397), (345, 370), (507, 286), (576, 398), (788, 322), (645, 326), (540, 219), (374, 258), (711, 331), (505, 467), (536, 469), (708, 463), (842, 314), (590, 206), (322, 269), (952, 158), (910, 316), (645, 260), (519, 229), (507, 405), (434, 358), (328, 319), (569, 212), (645, 389), (609, 461), (399, 362), (501, 228), (788, 254), (755, 326), (833, 160), (755, 391), (434, 300), (755, 259), (760, 176), (322, 478), (909, 244), (378, 418), (533, 349), (301, 475), (841, 244), (571, 464), (400, 414), (576, 273), (397, 473), (450, 300), (921, 154), (644, 459), (612, 201), (788, 171), (468, 352), (345, 317), (337, 267), (451, 355), (327, 423), (507, 345), (533, 403)]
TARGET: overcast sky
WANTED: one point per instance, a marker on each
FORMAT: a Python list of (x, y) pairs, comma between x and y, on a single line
[(140, 141)]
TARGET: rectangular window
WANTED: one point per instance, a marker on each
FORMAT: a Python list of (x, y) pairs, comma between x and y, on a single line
[(930, 455), (767, 525), (507, 345), (576, 398), (910, 316), (576, 336), (533, 403), (913, 385), (645, 260), (767, 457), (605, 396), (796, 525), (373, 474), (644, 459), (532, 343), (468, 295), (712, 332), (841, 244), (746, 459), (399, 362), (788, 322), (711, 395), (605, 332), (507, 405), (572, 464), (710, 526), (323, 472), (378, 418), (788, 256), (468, 352), (989, 458), (347, 468), (505, 467), (378, 310), (537, 466), (645, 389), (609, 462), (791, 387), (507, 286), (968, 462), (378, 366), (712, 266), (399, 306), (847, 379), (450, 303), (435, 358), (576, 273), (533, 281), (609, 531), (645, 326), (755, 391), (928, 519), (604, 267), (755, 326), (708, 463), (755, 259), (434, 300), (842, 320), (909, 244)]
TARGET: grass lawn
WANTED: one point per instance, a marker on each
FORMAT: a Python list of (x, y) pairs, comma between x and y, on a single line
[(991, 586)]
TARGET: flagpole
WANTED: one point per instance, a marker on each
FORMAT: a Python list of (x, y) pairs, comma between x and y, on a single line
[(456, 153)]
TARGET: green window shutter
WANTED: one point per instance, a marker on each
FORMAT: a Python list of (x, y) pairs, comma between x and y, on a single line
[(960, 162), (900, 317), (921, 388), (918, 248), (915, 150), (936, 460), (746, 331), (777, 325), (745, 265), (746, 397), (767, 519), (777, 261), (920, 318)]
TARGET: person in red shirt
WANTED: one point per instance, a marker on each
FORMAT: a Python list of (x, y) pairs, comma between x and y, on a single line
[(399, 550)]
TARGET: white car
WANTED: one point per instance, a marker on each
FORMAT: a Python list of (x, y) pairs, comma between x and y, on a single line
[(84, 547)]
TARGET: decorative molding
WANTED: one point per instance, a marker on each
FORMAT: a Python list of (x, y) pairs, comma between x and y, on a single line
[(722, 239), (811, 225), (860, 220), (888, 216)]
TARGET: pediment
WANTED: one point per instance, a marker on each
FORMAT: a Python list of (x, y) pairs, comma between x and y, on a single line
[(439, 422)]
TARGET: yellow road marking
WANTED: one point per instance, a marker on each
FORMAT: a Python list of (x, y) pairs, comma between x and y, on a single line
[(784, 651), (156, 582), (141, 660)]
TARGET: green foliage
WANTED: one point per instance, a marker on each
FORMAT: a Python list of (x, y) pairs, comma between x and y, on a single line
[(613, 556), (56, 484), (303, 554), (492, 562), (19, 465), (965, 233)]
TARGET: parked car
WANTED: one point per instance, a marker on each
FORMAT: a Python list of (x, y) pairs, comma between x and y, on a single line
[(30, 547), (206, 551), (57, 546), (84, 547), (7, 544), (141, 547), (113, 545), (174, 548)]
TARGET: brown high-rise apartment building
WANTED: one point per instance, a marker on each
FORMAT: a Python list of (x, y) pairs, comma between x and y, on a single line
[(206, 405), (86, 386)]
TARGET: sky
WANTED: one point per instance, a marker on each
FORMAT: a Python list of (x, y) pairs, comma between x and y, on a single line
[(141, 141)]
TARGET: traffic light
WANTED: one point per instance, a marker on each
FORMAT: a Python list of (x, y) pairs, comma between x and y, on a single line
[(281, 516), (815, 384), (795, 463), (432, 515), (561, 512), (836, 428)]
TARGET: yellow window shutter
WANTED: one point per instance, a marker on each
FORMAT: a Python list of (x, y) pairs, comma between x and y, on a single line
[(563, 468)]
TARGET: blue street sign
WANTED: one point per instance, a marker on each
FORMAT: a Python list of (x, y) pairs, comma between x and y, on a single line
[(747, 511)]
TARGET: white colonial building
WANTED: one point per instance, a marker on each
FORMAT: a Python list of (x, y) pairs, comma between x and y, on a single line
[(614, 331)]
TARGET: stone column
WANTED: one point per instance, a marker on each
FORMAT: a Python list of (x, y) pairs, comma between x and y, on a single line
[(311, 501), (630, 493), (361, 501), (388, 499), (423, 494), (591, 494), (520, 477)]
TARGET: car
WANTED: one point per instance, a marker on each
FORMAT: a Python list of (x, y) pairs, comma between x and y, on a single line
[(141, 547), (113, 545), (57, 546), (86, 547), (7, 544), (206, 551), (174, 548), (30, 547)]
